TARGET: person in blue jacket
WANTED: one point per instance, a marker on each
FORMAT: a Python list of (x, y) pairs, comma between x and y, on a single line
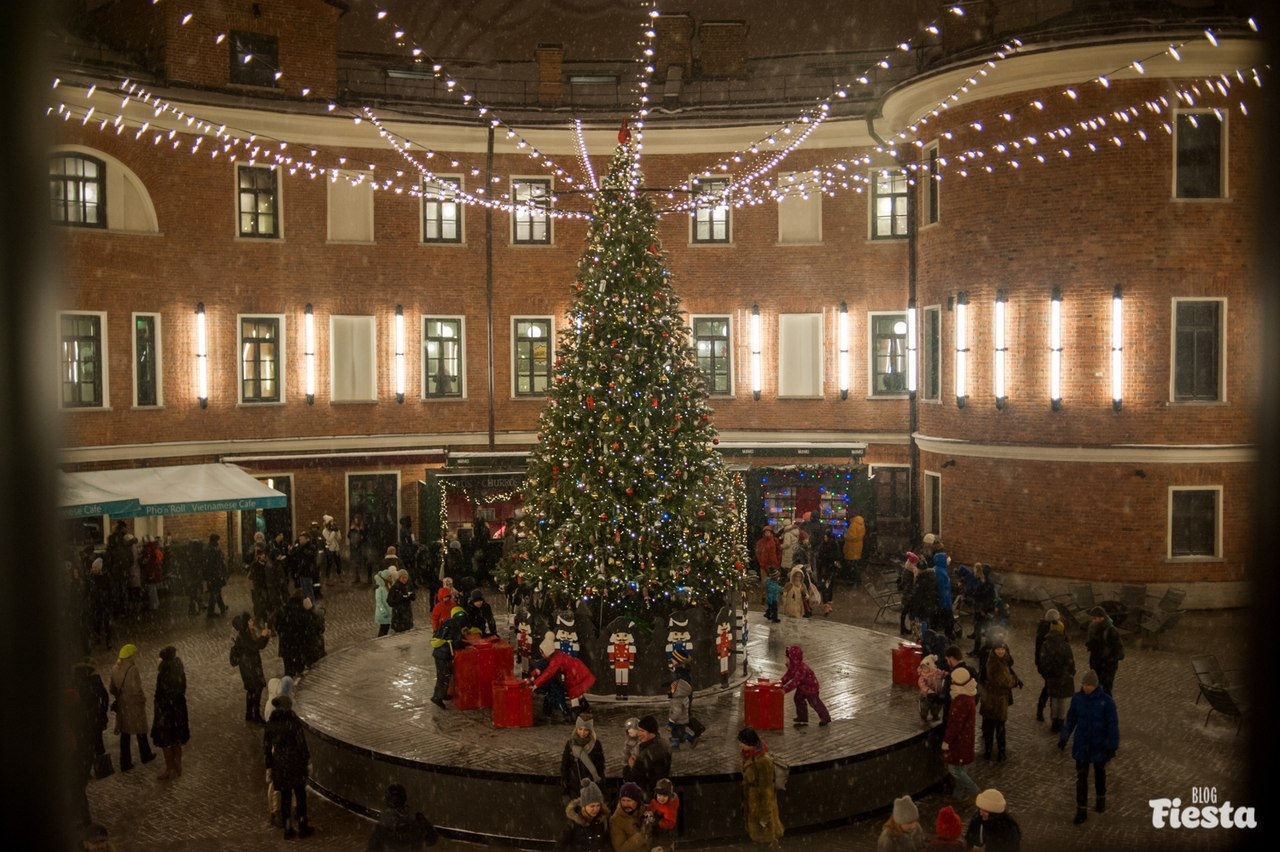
[(940, 561), (1092, 716)]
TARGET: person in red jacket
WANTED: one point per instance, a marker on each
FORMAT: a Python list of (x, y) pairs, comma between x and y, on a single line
[(555, 667), (768, 554), (444, 606), (957, 742)]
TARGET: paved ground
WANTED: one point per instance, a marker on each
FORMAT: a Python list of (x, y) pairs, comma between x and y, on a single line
[(219, 803)]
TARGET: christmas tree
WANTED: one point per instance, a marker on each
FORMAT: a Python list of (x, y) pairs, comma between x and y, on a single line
[(627, 504)]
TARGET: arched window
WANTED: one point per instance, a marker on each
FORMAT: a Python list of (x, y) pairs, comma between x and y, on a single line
[(78, 190)]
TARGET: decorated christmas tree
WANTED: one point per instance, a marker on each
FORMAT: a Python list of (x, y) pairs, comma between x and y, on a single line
[(627, 504)]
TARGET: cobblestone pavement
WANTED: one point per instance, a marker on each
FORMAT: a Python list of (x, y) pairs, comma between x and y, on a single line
[(1166, 749)]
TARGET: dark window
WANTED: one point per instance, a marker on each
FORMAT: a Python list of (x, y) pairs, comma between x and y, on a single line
[(711, 211), (888, 354), (260, 359), (893, 492), (1194, 525), (259, 216), (932, 372), (442, 353), (82, 361), (441, 212), (1199, 162), (255, 59), (78, 190), (888, 205), (932, 182), (1197, 348), (711, 346), (533, 356), (531, 219), (146, 354), (933, 508)]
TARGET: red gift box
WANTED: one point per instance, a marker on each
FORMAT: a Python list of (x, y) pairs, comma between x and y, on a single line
[(906, 663), (476, 667), (512, 704), (762, 705)]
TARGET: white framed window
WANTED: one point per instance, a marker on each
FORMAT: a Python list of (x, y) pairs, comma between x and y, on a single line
[(930, 186), (1199, 154), (258, 202), (892, 484), (532, 351), (799, 209), (889, 204), (800, 355), (931, 354), (353, 358), (443, 363), (148, 361), (1195, 522), (713, 350), (442, 213), (119, 203), (887, 353), (261, 340), (710, 221), (1199, 351), (82, 338), (350, 208), (531, 218), (931, 504)]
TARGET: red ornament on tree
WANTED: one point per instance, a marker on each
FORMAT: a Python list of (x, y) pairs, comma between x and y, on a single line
[(624, 133), (591, 402)]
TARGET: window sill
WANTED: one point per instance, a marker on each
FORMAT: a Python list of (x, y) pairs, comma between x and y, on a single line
[(354, 401), (530, 397), (449, 398), (74, 408), (445, 243), (877, 396), (350, 242), (711, 244), (159, 407), (251, 404), (1197, 403), (797, 397), (532, 245), (242, 238), (799, 243), (1184, 560)]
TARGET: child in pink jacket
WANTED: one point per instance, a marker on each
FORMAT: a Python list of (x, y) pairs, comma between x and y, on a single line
[(930, 680), (801, 678)]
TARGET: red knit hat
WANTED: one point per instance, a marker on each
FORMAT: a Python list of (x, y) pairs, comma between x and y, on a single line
[(949, 826)]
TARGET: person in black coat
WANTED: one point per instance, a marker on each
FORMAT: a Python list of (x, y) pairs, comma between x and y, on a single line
[(400, 598), (583, 757), (215, 576), (249, 643), (397, 830), (587, 822), (169, 727), (480, 615), (1106, 648), (90, 721), (294, 627), (284, 746)]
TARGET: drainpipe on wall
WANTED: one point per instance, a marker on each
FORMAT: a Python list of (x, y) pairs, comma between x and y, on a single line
[(488, 278), (913, 450)]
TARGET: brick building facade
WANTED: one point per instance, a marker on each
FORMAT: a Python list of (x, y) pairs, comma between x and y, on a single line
[(1154, 489)]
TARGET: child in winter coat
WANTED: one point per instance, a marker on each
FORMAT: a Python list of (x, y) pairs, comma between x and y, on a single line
[(772, 594), (663, 811), (556, 664), (632, 742), (931, 681), (800, 677), (681, 692)]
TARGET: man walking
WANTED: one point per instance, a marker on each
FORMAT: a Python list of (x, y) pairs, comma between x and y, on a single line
[(1092, 716), (1106, 648)]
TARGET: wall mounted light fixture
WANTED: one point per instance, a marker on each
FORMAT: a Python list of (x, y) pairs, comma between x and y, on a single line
[(400, 354), (844, 350), (309, 351), (1117, 348), (911, 347), (756, 364), (998, 362), (962, 347), (1055, 349), (202, 358)]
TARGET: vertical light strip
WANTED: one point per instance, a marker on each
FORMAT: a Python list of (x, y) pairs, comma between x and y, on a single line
[(1117, 348), (962, 347), (911, 346), (309, 351), (1055, 349), (998, 335), (400, 353), (202, 359), (844, 350), (756, 365)]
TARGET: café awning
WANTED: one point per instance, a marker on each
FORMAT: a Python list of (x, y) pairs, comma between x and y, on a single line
[(175, 490)]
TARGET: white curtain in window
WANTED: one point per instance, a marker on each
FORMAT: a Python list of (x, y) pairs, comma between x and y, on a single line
[(353, 359), (800, 355)]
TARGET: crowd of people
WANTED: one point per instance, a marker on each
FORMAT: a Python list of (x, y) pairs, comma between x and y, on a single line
[(285, 583)]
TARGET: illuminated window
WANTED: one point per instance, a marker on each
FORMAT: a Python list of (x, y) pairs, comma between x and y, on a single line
[(78, 190), (888, 204), (442, 363), (441, 212), (531, 219), (532, 362), (711, 210), (888, 354), (711, 348), (83, 339), (259, 197), (261, 359)]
